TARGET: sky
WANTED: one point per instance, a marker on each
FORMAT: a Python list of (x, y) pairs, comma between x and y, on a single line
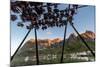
[(83, 20)]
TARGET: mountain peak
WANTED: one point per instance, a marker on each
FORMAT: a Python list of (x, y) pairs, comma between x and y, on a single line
[(88, 35), (72, 36), (87, 31)]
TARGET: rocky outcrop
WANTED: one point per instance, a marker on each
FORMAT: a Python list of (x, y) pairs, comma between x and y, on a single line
[(43, 42), (88, 35)]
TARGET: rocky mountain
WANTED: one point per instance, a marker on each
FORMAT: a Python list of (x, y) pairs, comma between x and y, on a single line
[(41, 43), (71, 38), (88, 36)]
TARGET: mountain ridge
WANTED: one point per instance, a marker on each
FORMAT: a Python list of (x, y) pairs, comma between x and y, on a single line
[(88, 35)]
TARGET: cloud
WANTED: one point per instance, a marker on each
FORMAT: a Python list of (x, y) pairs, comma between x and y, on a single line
[(49, 33)]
